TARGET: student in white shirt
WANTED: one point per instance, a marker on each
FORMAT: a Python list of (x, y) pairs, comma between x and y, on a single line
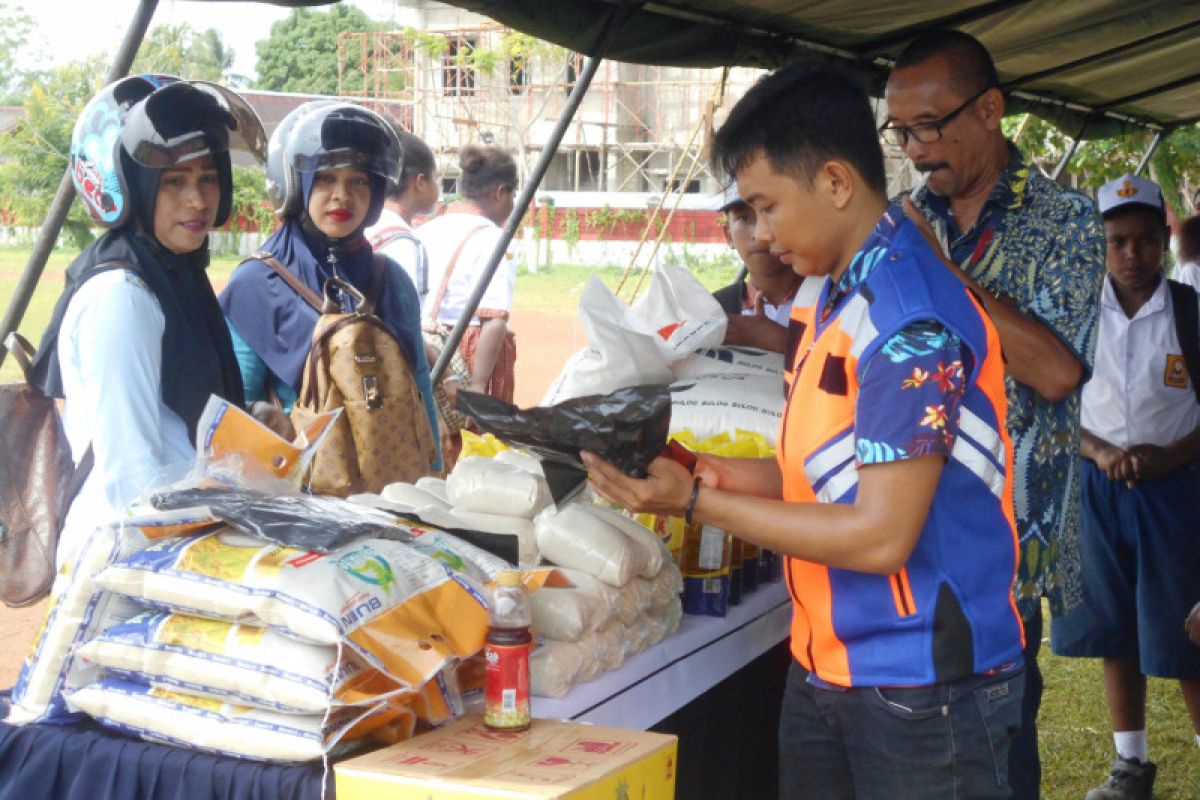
[(416, 193), (1141, 476), (459, 244), (137, 344), (1189, 252)]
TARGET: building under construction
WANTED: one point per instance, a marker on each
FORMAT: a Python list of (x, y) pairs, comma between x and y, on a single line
[(455, 78)]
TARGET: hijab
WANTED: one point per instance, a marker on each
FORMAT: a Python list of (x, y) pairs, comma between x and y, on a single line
[(275, 321), (198, 358)]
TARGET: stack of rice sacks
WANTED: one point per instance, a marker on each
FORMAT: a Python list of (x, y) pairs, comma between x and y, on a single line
[(235, 645), (625, 593)]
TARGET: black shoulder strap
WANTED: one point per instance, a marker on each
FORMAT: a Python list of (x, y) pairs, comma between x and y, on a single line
[(1187, 328)]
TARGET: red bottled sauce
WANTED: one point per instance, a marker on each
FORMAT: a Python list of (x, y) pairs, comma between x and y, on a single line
[(506, 654)]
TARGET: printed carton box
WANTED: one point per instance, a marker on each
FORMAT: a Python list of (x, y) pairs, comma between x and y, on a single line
[(552, 759)]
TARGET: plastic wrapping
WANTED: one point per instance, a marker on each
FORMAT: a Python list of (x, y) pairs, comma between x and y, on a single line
[(627, 428), (567, 614), (307, 522), (493, 487), (499, 525), (435, 486), (554, 667), (571, 537), (410, 494), (655, 551)]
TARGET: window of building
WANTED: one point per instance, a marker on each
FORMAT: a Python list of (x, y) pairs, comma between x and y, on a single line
[(518, 75), (458, 70)]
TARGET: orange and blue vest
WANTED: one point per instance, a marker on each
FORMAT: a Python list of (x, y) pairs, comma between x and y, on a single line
[(948, 613)]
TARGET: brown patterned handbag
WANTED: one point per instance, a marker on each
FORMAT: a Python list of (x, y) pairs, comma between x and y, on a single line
[(355, 363), (38, 481)]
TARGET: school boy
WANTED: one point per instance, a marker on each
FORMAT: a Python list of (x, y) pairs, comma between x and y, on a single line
[(1140, 443), (759, 301), (891, 493)]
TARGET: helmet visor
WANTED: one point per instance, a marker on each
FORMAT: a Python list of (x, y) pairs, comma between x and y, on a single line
[(190, 119), (346, 136)]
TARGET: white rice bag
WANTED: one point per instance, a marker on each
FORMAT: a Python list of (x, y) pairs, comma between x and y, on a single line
[(729, 361), (554, 667), (411, 495), (666, 586), (495, 487), (527, 547), (613, 602), (78, 610), (237, 663), (404, 612), (665, 621), (180, 719), (684, 314), (435, 486), (571, 537), (728, 403), (655, 551), (520, 460), (566, 614)]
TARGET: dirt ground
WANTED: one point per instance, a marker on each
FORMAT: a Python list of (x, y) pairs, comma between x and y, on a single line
[(544, 341)]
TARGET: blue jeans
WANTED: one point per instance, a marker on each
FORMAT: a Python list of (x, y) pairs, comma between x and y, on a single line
[(1024, 763), (949, 740)]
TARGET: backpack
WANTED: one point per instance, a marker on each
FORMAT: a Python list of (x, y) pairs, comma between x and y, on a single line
[(396, 233), (1187, 328), (355, 363), (38, 481)]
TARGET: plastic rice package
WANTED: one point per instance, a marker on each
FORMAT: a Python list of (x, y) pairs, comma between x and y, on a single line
[(729, 361), (724, 403), (554, 667), (180, 719), (655, 551), (523, 529), (411, 495), (615, 602), (666, 587), (682, 312), (609, 644), (240, 663), (405, 613), (665, 621), (638, 636), (567, 614), (78, 610), (435, 486), (458, 554), (571, 537), (494, 487), (520, 460)]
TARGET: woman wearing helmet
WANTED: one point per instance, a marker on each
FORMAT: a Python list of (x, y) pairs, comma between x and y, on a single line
[(459, 244), (137, 343), (328, 168)]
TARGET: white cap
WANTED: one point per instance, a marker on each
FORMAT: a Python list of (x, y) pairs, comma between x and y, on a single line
[(1129, 189), (722, 201)]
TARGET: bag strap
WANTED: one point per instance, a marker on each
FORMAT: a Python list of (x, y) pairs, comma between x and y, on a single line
[(436, 308), (79, 476), (289, 277), (397, 233), (22, 351), (1187, 328)]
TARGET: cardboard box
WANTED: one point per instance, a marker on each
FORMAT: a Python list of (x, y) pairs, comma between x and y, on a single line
[(465, 760)]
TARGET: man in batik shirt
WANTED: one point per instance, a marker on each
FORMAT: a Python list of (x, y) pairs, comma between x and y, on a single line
[(1034, 253)]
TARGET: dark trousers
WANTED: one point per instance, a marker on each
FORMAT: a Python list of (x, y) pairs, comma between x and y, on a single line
[(949, 740), (1024, 764)]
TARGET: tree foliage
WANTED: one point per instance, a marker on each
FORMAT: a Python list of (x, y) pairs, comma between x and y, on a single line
[(181, 50), (301, 53), (1175, 165), (15, 29)]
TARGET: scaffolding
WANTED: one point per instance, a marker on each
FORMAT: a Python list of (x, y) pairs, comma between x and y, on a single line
[(486, 84)]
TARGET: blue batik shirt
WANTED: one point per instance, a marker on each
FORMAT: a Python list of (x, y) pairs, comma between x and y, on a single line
[(1041, 246)]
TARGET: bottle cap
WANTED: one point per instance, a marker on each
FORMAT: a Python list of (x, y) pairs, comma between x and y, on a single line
[(509, 577)]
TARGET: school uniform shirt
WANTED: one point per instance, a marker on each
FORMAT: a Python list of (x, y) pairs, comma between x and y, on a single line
[(110, 356), (396, 239), (780, 314), (442, 237), (1140, 392), (1189, 273)]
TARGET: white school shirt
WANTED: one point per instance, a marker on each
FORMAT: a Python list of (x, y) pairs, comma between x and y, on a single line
[(1137, 393), (441, 237), (404, 251), (110, 356), (1189, 273)]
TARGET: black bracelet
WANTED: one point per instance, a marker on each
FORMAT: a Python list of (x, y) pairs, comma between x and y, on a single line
[(691, 504)]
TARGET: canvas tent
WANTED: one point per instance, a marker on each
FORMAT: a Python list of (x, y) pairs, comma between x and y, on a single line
[(1096, 68)]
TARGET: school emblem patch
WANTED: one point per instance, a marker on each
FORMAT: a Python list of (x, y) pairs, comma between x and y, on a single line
[(1176, 374)]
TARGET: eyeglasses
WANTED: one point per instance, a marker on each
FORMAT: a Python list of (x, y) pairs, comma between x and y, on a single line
[(925, 132)]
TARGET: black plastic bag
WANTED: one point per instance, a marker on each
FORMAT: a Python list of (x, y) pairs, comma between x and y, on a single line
[(306, 522), (627, 428)]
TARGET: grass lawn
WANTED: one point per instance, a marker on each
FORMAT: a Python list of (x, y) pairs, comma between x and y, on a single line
[(1076, 743)]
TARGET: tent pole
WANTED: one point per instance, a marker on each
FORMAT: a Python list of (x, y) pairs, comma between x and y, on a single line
[(590, 65), (1141, 167), (61, 205), (1066, 159)]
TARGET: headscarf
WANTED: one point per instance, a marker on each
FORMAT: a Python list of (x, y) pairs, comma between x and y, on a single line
[(275, 321), (198, 358)]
